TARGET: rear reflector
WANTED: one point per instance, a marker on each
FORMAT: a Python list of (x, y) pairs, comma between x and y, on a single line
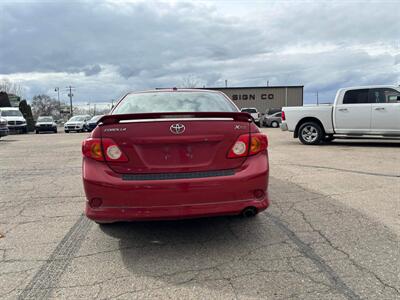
[(248, 144), (95, 202), (100, 149)]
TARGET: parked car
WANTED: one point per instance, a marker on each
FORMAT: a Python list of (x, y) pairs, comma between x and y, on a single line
[(77, 123), (366, 111), (92, 123), (254, 114), (15, 119), (272, 120), (171, 154), (45, 124), (3, 127)]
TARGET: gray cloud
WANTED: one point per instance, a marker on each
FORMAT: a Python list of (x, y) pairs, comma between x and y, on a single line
[(106, 48)]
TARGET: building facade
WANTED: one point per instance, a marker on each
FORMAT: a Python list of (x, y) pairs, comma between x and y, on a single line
[(264, 97)]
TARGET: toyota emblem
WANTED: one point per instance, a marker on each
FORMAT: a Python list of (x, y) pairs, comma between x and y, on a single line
[(177, 128)]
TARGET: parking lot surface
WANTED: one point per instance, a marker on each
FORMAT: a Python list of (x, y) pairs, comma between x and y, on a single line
[(331, 232)]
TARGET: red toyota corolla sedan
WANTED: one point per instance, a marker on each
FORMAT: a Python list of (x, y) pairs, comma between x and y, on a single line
[(171, 154)]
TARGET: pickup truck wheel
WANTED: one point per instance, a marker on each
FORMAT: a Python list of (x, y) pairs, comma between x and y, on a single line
[(310, 133)]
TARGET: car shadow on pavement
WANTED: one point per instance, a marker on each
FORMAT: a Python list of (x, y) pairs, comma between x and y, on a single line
[(365, 143), (208, 253)]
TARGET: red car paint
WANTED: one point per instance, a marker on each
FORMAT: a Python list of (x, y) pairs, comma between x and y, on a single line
[(137, 167)]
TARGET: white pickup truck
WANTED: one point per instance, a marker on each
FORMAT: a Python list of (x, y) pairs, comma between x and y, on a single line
[(366, 111)]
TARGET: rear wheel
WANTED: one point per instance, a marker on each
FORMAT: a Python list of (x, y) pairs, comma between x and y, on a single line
[(37, 131), (66, 131), (310, 133), (275, 124)]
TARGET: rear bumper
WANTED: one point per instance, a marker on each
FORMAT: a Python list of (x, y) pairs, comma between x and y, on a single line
[(174, 199), (284, 126)]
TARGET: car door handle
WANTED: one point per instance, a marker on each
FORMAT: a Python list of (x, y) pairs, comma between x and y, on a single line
[(379, 108), (342, 109)]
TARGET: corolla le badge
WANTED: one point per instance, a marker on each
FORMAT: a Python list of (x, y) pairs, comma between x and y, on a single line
[(177, 128)]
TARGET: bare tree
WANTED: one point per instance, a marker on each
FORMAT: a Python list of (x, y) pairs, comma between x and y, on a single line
[(10, 87), (190, 81), (44, 105)]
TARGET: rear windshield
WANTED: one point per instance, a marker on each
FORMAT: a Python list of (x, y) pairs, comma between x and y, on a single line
[(10, 113), (95, 118), (249, 110), (174, 102)]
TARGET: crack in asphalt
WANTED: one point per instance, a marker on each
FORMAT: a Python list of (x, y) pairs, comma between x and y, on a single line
[(308, 252), (347, 170), (41, 285), (358, 266)]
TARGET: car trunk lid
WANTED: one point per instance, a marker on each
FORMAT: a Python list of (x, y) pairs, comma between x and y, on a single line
[(175, 142)]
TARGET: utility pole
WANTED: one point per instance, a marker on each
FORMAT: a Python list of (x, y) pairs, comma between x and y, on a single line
[(70, 99), (57, 89), (317, 99), (267, 82), (226, 82)]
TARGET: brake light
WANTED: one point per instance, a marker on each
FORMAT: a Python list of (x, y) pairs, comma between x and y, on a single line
[(240, 148), (245, 147), (283, 117), (112, 151), (100, 149), (259, 143), (91, 147)]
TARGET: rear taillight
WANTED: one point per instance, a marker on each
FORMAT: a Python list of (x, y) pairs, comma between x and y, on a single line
[(258, 143), (91, 147), (240, 148), (283, 116), (100, 149), (248, 144)]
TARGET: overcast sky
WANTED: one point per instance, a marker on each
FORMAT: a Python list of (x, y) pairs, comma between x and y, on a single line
[(104, 49)]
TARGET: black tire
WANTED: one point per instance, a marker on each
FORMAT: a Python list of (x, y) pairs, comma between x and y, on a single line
[(310, 133), (274, 124), (37, 131), (66, 131), (55, 131), (258, 124)]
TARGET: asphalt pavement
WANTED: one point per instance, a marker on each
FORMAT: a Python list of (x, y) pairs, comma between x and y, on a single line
[(331, 232)]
